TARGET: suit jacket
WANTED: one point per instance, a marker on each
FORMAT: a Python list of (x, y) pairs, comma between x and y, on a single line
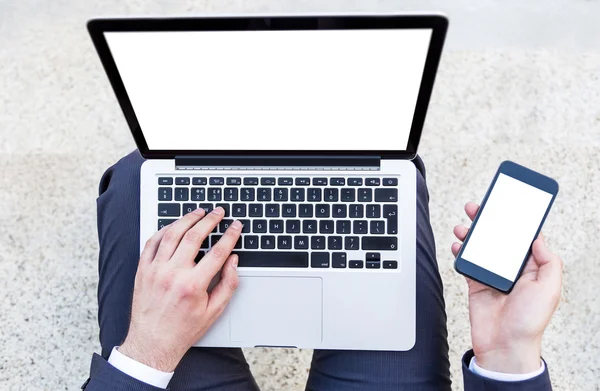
[(104, 376)]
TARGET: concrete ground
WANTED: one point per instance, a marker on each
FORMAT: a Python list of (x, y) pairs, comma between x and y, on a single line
[(517, 82)]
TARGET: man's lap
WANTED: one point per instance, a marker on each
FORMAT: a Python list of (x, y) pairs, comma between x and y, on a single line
[(424, 367)]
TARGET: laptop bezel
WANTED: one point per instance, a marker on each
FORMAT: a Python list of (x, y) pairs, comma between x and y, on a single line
[(437, 23)]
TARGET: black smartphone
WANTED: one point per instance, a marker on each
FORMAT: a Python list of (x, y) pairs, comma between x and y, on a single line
[(509, 219)]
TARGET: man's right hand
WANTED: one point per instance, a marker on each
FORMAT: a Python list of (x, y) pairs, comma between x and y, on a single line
[(171, 307)]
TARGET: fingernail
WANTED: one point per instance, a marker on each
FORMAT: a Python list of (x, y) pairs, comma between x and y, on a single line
[(234, 264), (237, 224), (199, 211), (219, 210)]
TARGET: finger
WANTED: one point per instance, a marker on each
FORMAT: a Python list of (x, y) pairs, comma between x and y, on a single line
[(550, 265), (460, 231), (213, 261), (471, 208), (151, 246), (193, 238), (455, 248), (173, 235), (223, 291)]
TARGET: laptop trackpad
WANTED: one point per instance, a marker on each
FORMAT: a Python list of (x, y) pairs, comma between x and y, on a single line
[(277, 311)]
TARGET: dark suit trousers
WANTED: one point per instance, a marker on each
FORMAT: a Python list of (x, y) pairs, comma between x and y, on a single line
[(425, 367)]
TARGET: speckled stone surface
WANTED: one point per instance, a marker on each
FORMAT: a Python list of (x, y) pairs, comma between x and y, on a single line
[(60, 127)]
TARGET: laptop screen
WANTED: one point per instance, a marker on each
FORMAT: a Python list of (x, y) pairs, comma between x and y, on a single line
[(273, 90)]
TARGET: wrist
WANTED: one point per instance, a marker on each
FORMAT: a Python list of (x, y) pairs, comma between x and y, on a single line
[(514, 359), (147, 354)]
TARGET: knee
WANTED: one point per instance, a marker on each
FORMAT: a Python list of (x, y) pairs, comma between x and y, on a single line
[(126, 170)]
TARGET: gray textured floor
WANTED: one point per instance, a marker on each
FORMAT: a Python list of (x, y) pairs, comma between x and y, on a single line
[(60, 127)]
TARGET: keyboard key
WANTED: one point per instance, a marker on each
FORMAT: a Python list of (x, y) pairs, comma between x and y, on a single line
[(322, 210), (351, 243), (356, 264), (214, 239), (318, 259), (355, 181), (386, 195), (297, 194), (337, 182), (267, 181), (377, 227), (292, 226), (245, 226), (373, 211), (238, 244), (224, 224), (338, 211), (306, 210), (272, 258), (326, 226), (207, 207), (234, 181), (348, 195), (390, 213), (259, 226), (365, 195), (301, 242), (319, 181), (284, 242), (214, 194), (182, 181), (276, 226), (338, 260), (356, 211), (360, 227), (163, 181), (198, 194), (373, 265), (331, 195), (285, 181), (216, 181), (250, 181), (255, 210), (199, 181), (385, 243), (302, 181), (317, 242), (247, 194), (280, 194), (267, 242), (238, 210), (390, 181), (313, 194), (199, 257), (272, 210), (390, 264), (164, 222), (231, 194), (288, 210), (165, 194), (188, 208), (263, 194), (204, 243), (309, 226), (342, 227), (171, 210), (250, 242), (372, 181), (334, 243), (226, 208), (372, 257), (182, 194)]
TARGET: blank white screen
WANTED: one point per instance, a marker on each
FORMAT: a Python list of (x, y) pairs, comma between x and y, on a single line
[(507, 226), (244, 90)]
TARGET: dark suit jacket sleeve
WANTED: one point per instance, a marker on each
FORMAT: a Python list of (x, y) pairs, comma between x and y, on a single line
[(104, 376), (474, 382)]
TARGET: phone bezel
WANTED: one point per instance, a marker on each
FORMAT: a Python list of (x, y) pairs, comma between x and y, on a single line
[(522, 174)]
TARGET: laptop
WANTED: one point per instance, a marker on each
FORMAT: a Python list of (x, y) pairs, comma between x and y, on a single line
[(302, 127)]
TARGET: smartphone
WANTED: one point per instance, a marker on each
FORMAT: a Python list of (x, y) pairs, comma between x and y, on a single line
[(509, 219)]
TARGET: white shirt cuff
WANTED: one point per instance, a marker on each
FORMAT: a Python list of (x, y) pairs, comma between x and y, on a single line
[(139, 371), (508, 377)]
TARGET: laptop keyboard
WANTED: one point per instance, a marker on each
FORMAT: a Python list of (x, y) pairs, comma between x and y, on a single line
[(301, 222)]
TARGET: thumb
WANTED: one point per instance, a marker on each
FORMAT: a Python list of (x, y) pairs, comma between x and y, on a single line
[(549, 264)]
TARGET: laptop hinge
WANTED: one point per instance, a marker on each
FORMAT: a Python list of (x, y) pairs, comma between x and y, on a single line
[(361, 163)]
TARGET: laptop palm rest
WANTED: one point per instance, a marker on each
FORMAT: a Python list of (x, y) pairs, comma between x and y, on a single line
[(277, 311)]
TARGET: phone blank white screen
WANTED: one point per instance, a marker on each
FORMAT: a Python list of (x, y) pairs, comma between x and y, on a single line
[(273, 90), (506, 227)]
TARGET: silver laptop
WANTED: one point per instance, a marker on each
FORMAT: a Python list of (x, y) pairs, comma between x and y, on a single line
[(303, 128)]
